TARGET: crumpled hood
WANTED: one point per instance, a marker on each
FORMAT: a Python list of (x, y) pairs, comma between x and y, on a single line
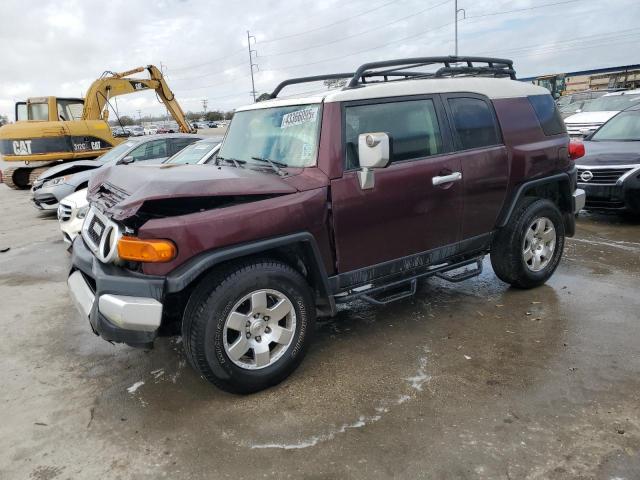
[(590, 117), (136, 184), (610, 153), (68, 168)]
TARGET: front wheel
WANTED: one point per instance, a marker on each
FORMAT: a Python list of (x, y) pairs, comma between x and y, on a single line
[(247, 328), (527, 251)]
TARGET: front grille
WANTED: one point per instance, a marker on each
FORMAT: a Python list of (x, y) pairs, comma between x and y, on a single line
[(64, 212), (101, 235), (604, 204), (601, 176), (109, 195), (95, 230)]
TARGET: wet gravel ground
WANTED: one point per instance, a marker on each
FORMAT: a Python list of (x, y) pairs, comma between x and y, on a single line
[(464, 381)]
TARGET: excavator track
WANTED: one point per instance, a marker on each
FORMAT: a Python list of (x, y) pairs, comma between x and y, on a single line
[(21, 178), (16, 178)]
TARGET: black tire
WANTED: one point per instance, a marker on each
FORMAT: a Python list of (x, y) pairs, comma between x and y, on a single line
[(507, 257), (212, 301)]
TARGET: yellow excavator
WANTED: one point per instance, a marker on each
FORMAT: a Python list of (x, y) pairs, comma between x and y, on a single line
[(49, 129)]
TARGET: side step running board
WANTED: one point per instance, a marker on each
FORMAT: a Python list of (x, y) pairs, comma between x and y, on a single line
[(464, 275), (375, 294), (412, 284)]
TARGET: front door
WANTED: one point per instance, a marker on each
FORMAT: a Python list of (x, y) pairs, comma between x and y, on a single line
[(404, 213)]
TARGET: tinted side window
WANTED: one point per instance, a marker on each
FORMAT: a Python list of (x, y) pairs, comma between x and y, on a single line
[(548, 114), (474, 122), (412, 125), (178, 144), (150, 150)]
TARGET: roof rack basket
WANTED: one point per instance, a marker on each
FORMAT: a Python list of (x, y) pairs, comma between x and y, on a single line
[(401, 69)]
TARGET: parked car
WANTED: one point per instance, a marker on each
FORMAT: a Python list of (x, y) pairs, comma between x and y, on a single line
[(150, 130), (609, 172), (350, 193), (71, 213), (597, 112), (119, 132), (212, 125), (572, 103), (201, 151), (135, 131), (62, 180)]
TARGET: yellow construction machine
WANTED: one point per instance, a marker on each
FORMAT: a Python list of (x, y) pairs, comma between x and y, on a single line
[(51, 129)]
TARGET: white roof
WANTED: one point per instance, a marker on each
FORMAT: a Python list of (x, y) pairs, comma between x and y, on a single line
[(623, 92), (491, 87)]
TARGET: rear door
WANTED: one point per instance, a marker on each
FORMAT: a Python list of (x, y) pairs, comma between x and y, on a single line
[(484, 159), (404, 213)]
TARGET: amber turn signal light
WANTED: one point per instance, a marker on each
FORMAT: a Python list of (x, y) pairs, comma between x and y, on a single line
[(142, 250)]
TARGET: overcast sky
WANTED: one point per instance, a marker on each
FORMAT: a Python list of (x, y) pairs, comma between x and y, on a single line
[(59, 47)]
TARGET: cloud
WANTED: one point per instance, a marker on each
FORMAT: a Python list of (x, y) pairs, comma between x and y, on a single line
[(61, 46)]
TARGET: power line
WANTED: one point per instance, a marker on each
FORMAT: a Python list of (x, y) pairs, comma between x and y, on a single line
[(376, 28), (505, 12), (349, 18)]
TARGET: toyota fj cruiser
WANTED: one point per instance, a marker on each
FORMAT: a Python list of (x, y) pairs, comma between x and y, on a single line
[(416, 167)]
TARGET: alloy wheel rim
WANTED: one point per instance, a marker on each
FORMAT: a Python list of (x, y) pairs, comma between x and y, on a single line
[(259, 329), (539, 244)]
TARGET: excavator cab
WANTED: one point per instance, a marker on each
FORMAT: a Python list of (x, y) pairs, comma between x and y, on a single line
[(49, 109)]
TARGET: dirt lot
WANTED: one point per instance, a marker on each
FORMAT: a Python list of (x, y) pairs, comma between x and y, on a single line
[(467, 381)]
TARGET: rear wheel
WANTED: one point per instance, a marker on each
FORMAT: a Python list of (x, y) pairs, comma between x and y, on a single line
[(247, 328), (527, 251)]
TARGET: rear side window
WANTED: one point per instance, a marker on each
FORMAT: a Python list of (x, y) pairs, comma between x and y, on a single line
[(178, 144), (548, 114), (412, 125), (474, 122)]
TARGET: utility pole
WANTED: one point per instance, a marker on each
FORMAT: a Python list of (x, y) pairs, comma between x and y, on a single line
[(251, 64), (204, 108), (140, 117), (464, 15)]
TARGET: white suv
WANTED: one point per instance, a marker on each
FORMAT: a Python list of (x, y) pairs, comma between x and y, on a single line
[(597, 112)]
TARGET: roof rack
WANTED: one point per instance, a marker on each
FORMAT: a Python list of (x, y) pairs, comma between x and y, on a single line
[(452, 66)]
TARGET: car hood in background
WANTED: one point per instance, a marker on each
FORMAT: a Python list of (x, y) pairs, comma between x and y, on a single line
[(610, 153), (136, 184), (68, 168), (590, 117), (77, 199)]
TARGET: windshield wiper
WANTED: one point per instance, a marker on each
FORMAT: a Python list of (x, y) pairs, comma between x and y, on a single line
[(274, 164), (237, 163)]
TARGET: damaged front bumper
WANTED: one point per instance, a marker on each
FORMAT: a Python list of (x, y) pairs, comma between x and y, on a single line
[(121, 306)]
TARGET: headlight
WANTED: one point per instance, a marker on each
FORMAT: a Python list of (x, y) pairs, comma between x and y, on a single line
[(82, 212), (56, 181)]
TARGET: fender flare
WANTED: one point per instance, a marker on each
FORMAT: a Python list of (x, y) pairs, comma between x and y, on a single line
[(185, 274), (564, 179)]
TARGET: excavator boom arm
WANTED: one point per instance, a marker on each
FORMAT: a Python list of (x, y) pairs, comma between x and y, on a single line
[(114, 84)]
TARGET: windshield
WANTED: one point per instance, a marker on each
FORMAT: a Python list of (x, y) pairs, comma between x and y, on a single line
[(612, 103), (288, 135), (193, 153), (116, 152), (624, 127)]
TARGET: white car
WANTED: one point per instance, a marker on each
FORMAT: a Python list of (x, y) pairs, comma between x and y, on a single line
[(598, 111), (151, 130), (71, 212)]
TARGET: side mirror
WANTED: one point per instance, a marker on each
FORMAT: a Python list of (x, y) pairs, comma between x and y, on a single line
[(126, 160), (374, 151), (578, 110), (585, 132)]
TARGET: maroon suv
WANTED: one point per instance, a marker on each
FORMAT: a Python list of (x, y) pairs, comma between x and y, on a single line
[(416, 167)]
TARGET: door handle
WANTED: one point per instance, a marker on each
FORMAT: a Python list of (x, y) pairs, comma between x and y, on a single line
[(453, 177)]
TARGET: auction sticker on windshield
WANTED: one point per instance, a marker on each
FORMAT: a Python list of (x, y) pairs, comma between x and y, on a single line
[(299, 117)]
